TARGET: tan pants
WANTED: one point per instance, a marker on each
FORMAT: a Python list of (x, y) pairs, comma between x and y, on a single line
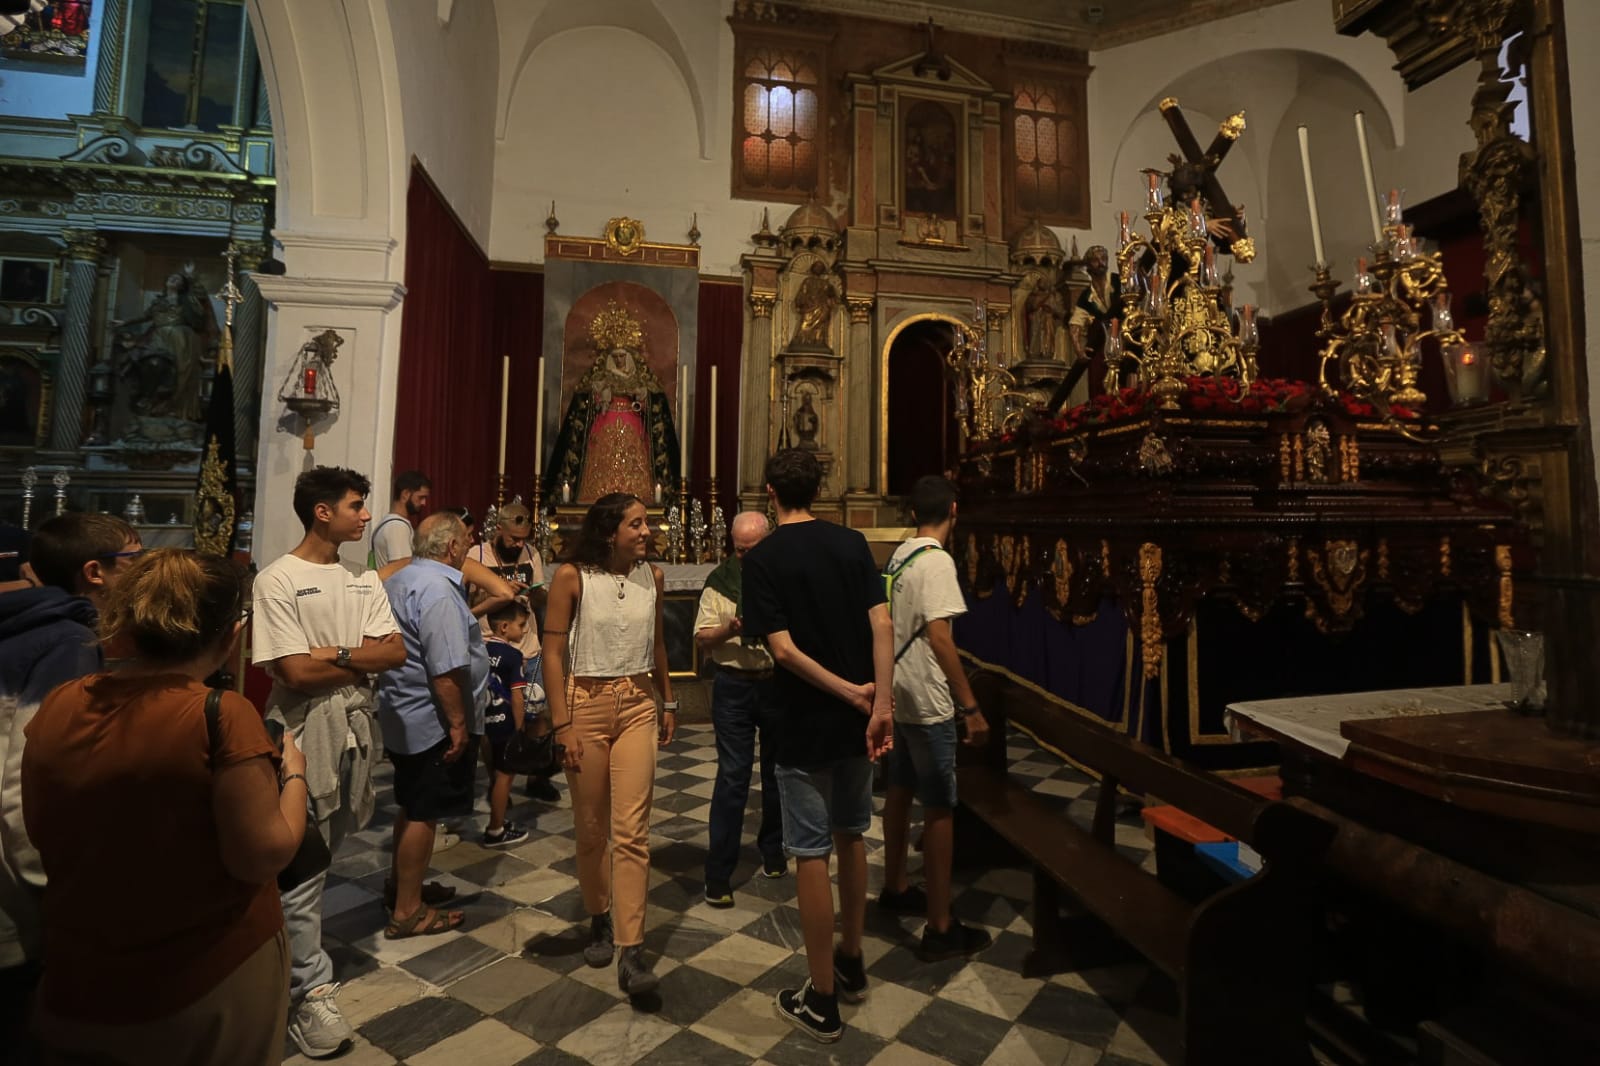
[(615, 718), (237, 1023)]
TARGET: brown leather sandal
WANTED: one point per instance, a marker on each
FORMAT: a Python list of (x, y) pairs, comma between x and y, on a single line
[(433, 893), (425, 922)]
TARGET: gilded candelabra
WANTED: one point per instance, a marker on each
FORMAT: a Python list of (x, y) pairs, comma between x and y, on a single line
[(980, 384), (1174, 324), (1401, 300), (696, 541), (719, 527)]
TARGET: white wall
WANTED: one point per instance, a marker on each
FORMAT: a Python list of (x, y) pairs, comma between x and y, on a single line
[(1583, 40), (46, 90)]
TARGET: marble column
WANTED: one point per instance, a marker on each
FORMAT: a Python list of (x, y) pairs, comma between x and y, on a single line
[(247, 337), (83, 268), (756, 428), (108, 70), (860, 364)]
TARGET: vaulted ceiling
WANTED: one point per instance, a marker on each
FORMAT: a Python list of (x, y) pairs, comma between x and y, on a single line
[(1081, 23)]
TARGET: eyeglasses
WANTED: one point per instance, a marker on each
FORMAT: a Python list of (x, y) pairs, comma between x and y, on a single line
[(132, 553), (245, 615)]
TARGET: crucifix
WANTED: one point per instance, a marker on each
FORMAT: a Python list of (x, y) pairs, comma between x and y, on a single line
[(1196, 173)]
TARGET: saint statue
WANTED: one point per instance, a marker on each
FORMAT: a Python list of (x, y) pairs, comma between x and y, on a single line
[(806, 423), (1045, 310), (167, 348), (618, 434), (813, 307)]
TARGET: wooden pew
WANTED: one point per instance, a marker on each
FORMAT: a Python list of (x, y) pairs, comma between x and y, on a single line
[(1242, 958)]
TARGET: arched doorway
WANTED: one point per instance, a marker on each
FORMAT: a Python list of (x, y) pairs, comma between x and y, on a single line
[(920, 432)]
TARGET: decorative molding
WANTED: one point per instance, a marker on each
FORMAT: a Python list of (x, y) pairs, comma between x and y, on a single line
[(761, 303), (85, 244), (860, 309), (112, 149), (283, 291)]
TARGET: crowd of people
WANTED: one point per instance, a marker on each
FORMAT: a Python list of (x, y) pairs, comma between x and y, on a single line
[(128, 754)]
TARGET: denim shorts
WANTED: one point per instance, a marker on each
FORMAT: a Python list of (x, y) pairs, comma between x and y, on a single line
[(924, 759), (819, 801)]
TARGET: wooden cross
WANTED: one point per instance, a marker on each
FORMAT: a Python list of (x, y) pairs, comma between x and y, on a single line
[(1237, 241)]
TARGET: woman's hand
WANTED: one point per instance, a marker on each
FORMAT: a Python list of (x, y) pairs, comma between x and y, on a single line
[(294, 760), (572, 757), (669, 728)]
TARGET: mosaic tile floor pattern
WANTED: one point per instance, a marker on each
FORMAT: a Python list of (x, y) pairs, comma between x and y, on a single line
[(510, 987)]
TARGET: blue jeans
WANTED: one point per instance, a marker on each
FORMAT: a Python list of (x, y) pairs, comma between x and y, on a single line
[(739, 711), (924, 760)]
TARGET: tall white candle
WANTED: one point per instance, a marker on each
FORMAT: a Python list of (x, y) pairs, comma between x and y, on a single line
[(713, 438), (1311, 197), (683, 421), (1366, 172), (538, 425), (505, 397)]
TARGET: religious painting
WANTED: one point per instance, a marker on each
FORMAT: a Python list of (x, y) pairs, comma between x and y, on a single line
[(25, 281), (59, 31), (21, 400), (930, 160), (619, 367)]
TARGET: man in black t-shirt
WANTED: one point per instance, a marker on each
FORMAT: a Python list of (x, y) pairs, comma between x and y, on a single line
[(813, 591)]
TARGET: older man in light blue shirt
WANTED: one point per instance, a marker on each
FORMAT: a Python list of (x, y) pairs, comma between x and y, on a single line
[(431, 712)]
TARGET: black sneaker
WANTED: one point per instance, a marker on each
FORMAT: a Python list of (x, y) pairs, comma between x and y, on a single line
[(775, 867), (601, 947), (540, 788), (633, 973), (849, 977), (719, 895), (811, 1012), (954, 942), (510, 833), (912, 901)]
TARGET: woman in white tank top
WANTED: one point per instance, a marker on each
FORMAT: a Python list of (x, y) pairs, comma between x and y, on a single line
[(605, 672)]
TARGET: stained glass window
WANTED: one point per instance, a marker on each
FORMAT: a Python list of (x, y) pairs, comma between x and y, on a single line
[(777, 152), (1046, 173)]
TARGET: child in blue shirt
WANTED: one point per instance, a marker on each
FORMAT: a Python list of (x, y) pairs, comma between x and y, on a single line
[(503, 718)]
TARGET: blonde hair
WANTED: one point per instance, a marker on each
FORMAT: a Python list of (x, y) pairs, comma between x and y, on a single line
[(172, 605)]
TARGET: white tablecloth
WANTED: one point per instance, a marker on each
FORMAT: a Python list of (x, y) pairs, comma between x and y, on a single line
[(685, 577), (1314, 720)]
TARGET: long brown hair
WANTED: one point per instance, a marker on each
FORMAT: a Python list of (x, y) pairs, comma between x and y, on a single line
[(173, 605)]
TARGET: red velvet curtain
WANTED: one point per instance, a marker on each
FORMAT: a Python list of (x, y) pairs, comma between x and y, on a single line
[(721, 340), (447, 409), (518, 332)]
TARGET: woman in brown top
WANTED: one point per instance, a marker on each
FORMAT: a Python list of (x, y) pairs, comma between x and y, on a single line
[(163, 938)]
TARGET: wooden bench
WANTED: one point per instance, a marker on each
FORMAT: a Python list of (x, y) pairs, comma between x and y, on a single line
[(1241, 959)]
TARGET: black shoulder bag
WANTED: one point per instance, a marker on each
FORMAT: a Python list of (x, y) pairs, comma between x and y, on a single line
[(313, 857)]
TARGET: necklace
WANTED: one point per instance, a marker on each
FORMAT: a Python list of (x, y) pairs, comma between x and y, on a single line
[(622, 583)]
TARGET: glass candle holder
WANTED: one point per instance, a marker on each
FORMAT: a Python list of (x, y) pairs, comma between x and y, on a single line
[(1523, 651)]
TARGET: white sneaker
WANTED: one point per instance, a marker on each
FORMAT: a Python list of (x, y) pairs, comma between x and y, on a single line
[(443, 839), (317, 1027)]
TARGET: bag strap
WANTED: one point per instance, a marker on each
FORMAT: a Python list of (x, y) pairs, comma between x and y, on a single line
[(891, 574), (213, 722)]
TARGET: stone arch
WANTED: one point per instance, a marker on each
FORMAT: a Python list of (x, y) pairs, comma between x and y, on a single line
[(642, 18)]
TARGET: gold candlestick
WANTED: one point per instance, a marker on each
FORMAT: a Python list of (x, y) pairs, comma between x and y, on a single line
[(501, 483)]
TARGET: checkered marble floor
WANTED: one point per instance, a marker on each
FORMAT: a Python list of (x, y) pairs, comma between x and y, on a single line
[(510, 987)]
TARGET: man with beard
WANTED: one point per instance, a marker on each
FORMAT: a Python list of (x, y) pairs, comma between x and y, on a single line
[(1100, 302), (391, 539), (509, 556)]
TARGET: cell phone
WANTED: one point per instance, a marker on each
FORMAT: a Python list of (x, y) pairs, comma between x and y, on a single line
[(275, 731)]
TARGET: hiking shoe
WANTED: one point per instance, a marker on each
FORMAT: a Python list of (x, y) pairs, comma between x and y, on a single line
[(633, 972), (317, 1027), (849, 977), (775, 867), (912, 901), (510, 833), (811, 1012), (540, 788), (601, 946), (719, 895), (954, 942)]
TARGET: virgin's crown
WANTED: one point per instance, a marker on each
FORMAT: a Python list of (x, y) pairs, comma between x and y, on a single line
[(614, 328)]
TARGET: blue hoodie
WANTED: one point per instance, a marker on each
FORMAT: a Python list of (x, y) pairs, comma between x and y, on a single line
[(47, 638)]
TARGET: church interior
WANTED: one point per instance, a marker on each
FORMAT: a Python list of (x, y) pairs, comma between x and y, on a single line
[(1251, 332)]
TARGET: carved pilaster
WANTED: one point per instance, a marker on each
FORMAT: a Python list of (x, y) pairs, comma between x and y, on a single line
[(860, 397), (83, 269), (755, 426), (860, 309), (108, 70), (761, 304)]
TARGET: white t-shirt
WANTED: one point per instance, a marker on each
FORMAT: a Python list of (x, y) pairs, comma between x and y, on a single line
[(391, 538), (925, 591), (301, 605)]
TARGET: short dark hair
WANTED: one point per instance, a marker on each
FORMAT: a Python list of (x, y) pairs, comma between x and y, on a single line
[(795, 475), (65, 542), (590, 548), (410, 481), (931, 498), (325, 484), (509, 612)]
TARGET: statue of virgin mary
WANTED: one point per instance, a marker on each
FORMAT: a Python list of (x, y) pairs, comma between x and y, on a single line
[(618, 434)]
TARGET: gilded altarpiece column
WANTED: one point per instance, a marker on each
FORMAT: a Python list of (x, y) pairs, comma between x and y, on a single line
[(83, 269), (756, 433)]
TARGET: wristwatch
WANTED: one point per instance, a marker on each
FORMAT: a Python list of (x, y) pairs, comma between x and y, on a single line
[(967, 712), (341, 657)]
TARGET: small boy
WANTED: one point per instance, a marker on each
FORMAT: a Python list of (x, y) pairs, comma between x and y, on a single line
[(504, 717)]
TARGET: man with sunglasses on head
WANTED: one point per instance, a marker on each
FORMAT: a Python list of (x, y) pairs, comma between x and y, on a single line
[(47, 638)]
